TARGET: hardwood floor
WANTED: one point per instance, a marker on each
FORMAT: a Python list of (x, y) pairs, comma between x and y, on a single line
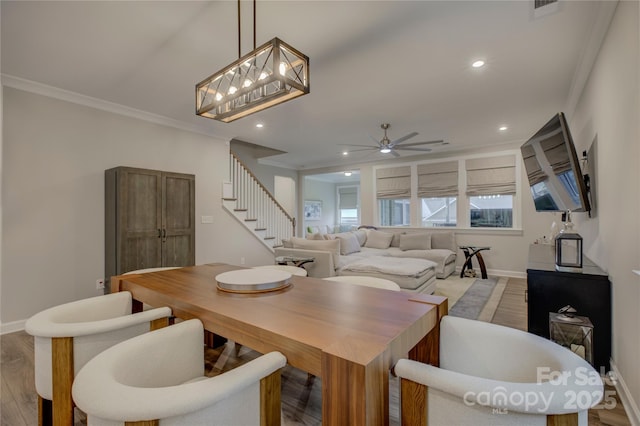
[(301, 396)]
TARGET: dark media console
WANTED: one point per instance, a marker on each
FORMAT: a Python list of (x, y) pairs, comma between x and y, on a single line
[(589, 292)]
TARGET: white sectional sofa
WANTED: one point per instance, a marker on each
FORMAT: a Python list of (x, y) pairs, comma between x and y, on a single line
[(411, 258)]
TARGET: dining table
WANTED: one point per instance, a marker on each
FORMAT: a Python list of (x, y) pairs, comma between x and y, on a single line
[(350, 336)]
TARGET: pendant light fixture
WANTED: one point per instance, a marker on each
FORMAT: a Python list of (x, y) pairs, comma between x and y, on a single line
[(269, 75)]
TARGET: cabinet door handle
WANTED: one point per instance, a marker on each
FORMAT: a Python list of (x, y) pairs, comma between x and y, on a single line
[(164, 235), (159, 233)]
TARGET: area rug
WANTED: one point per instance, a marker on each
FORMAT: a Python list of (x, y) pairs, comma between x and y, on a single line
[(471, 297)]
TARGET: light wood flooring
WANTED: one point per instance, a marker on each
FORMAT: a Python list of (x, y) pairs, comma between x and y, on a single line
[(301, 399)]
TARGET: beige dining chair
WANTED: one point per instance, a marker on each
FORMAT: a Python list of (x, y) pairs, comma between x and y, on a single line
[(158, 379), (67, 336), (495, 375)]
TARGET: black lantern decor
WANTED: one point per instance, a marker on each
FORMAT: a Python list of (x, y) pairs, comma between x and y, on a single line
[(568, 249)]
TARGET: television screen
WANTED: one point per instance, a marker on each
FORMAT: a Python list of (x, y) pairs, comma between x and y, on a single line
[(552, 167)]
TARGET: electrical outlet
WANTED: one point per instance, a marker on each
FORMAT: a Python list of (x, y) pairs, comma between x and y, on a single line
[(100, 284)]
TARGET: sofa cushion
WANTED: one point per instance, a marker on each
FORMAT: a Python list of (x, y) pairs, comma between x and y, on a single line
[(419, 241), (348, 243), (378, 239), (332, 246), (395, 242), (444, 240), (361, 235)]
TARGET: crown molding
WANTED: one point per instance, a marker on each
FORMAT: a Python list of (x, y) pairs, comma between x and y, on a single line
[(112, 107)]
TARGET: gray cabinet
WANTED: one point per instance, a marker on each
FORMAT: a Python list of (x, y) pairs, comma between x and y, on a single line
[(149, 219)]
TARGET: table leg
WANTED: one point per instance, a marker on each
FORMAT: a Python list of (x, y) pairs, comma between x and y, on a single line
[(355, 392), (483, 269), (467, 262)]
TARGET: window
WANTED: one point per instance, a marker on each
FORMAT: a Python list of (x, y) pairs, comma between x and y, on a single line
[(438, 191), (491, 211), (393, 191), (394, 212), (348, 208), (439, 211)]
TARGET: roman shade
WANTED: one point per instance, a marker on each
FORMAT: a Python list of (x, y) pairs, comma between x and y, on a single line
[(491, 175), (531, 164), (438, 180), (556, 153), (393, 182), (348, 197)]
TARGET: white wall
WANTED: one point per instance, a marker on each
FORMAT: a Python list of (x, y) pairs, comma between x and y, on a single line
[(325, 192), (54, 157), (609, 111)]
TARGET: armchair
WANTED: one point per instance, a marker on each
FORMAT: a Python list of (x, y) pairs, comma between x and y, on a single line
[(158, 378), (495, 375)]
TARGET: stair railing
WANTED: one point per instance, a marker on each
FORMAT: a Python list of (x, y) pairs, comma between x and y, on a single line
[(252, 196)]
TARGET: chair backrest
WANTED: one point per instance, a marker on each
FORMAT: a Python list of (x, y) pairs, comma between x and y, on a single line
[(366, 281), (496, 352), (94, 324), (160, 376)]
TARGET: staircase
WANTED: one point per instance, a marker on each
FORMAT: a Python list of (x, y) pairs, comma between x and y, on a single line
[(247, 200)]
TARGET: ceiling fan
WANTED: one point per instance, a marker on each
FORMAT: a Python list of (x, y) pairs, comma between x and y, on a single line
[(386, 145)]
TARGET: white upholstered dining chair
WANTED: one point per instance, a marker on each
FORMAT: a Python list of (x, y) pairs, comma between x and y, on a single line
[(158, 378), (495, 375), (67, 336), (366, 281)]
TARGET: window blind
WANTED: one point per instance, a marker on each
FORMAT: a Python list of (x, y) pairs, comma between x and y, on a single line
[(491, 175), (348, 197), (393, 182), (438, 180)]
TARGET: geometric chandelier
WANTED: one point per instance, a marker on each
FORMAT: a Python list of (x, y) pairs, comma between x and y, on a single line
[(269, 75)]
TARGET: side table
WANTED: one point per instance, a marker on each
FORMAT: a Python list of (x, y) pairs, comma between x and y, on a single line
[(294, 260), (469, 253)]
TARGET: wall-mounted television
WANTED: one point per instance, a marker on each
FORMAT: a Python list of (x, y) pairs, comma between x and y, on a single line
[(555, 178)]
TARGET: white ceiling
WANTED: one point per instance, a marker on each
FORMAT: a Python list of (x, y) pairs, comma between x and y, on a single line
[(371, 62)]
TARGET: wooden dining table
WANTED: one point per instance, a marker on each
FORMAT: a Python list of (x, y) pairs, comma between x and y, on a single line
[(348, 335)]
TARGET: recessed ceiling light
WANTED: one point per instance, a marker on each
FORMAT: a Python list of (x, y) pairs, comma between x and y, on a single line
[(345, 152), (502, 128), (478, 64), (259, 125), (347, 173)]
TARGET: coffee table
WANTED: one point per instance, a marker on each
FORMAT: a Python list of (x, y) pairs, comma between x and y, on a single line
[(349, 336)]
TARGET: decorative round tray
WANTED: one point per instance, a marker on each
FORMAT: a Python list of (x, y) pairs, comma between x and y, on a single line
[(253, 280)]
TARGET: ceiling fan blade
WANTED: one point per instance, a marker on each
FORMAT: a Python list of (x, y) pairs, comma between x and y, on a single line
[(423, 143), (371, 148), (408, 148), (368, 146), (394, 153), (377, 142), (404, 138)]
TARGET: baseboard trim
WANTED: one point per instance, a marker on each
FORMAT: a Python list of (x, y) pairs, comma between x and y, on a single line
[(12, 327), (630, 406)]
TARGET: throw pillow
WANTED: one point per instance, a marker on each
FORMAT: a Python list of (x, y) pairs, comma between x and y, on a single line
[(332, 246), (378, 239), (415, 242), (361, 235), (348, 243), (444, 240)]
